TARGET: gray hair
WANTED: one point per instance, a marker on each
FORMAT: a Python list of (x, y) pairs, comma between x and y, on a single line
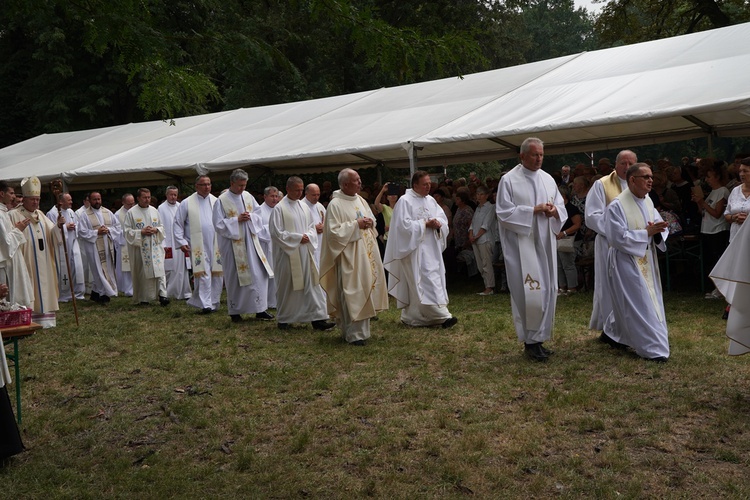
[(238, 175), (293, 181), (344, 176), (171, 188), (634, 168), (526, 144), (626, 151), (270, 190)]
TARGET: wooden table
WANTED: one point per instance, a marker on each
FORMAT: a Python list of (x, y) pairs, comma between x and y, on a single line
[(11, 335)]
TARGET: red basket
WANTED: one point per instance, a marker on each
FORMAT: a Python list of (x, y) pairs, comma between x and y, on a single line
[(15, 318)]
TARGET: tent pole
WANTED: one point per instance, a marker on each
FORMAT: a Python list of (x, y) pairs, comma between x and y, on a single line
[(412, 158), (710, 146)]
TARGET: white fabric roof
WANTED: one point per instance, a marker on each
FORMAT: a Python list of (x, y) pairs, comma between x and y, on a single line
[(653, 92)]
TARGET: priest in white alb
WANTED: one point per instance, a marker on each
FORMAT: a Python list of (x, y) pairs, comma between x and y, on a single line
[(299, 296), (12, 265), (351, 271), (246, 269), (318, 212), (413, 257), (635, 230), (195, 236), (75, 279), (601, 194), (175, 265), (271, 197), (124, 276), (144, 234), (39, 251), (99, 231), (531, 212)]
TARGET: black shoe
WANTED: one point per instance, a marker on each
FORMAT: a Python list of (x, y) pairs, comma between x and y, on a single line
[(534, 352), (611, 342), (360, 343), (236, 318), (322, 324), (658, 359), (163, 301), (265, 315), (726, 313), (374, 318), (546, 351), (95, 296), (450, 322), (283, 326), (206, 310), (104, 299)]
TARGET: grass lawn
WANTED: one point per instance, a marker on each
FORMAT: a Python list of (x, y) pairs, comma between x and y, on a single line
[(152, 402)]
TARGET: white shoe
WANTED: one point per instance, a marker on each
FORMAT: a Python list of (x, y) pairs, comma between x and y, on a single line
[(491, 292)]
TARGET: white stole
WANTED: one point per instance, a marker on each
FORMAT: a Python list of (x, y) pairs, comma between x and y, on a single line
[(241, 263), (295, 261), (534, 295), (196, 240), (636, 222)]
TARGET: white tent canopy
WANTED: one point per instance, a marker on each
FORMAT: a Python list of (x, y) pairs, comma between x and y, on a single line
[(653, 92)]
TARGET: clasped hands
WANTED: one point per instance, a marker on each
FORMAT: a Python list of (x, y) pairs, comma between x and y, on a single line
[(365, 222), (656, 227), (547, 209), (149, 230)]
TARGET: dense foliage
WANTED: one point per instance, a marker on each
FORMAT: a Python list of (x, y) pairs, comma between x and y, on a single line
[(71, 65)]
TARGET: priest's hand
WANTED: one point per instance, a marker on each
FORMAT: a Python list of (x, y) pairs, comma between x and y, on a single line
[(244, 217), (60, 221), (319, 227), (23, 224), (71, 226), (655, 228), (185, 249), (102, 230), (364, 222), (305, 239), (433, 224)]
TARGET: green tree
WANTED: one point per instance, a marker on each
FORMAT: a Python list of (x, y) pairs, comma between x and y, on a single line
[(556, 28), (631, 21)]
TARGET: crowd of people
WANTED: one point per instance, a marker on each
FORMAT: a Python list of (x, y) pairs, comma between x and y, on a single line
[(331, 257), (270, 250)]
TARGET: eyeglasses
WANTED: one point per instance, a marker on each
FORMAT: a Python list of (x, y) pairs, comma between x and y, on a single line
[(647, 177)]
